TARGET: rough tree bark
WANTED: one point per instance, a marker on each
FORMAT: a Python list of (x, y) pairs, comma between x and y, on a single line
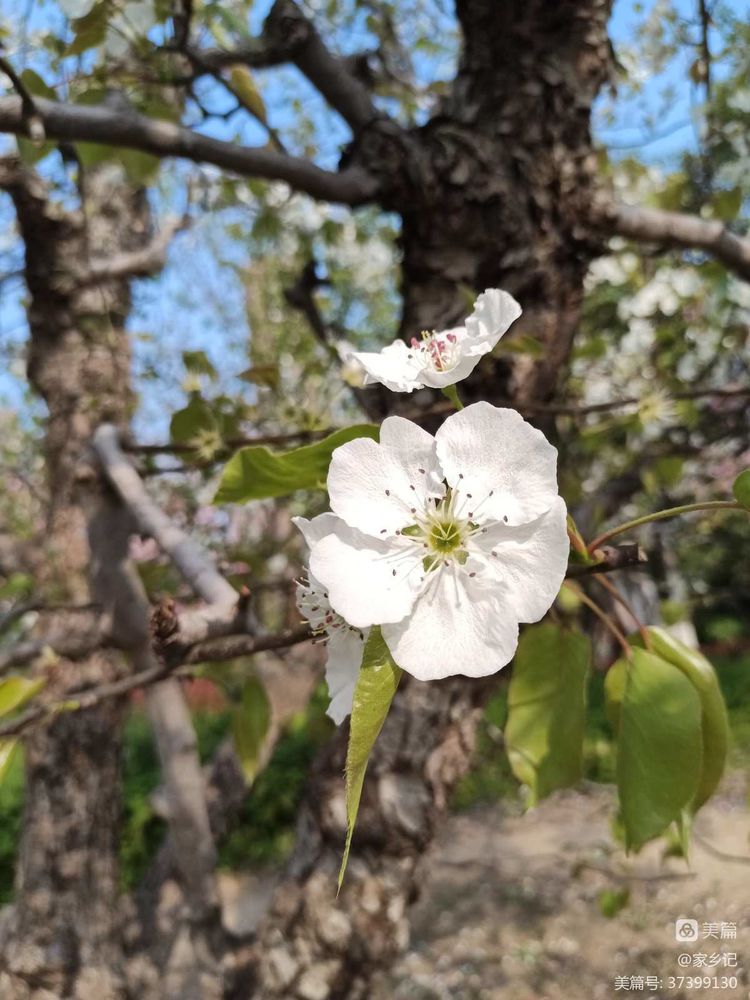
[(491, 193), (64, 935)]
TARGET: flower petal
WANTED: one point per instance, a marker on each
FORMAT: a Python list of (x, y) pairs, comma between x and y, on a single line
[(342, 670), (368, 580), (498, 464), (453, 629), (529, 561), (379, 488), (494, 311), (439, 379), (316, 528), (396, 366)]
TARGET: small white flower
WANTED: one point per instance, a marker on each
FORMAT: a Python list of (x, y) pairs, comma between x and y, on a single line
[(446, 542), (345, 644), (445, 357)]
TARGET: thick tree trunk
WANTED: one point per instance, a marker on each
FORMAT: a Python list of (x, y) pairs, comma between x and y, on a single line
[(491, 194), (64, 935)]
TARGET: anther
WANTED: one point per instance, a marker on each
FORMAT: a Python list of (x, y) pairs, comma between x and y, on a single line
[(505, 518), (387, 493)]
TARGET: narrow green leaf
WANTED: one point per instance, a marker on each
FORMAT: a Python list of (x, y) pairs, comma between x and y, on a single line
[(547, 708), (377, 684), (250, 722), (16, 691), (659, 747), (245, 88), (714, 720), (741, 489), (256, 473)]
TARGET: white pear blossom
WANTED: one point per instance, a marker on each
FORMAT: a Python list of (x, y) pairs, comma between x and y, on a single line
[(345, 644), (446, 542), (443, 358)]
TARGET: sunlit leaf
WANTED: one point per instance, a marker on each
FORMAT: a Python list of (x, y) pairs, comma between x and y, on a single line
[(547, 707), (714, 720), (256, 473), (246, 90), (376, 685), (16, 691), (659, 747)]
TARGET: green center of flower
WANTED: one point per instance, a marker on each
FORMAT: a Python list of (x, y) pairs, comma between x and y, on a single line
[(444, 536)]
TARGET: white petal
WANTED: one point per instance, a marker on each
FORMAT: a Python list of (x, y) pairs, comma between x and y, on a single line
[(413, 448), (438, 380), (494, 311), (379, 488), (345, 650), (453, 629), (483, 450), (317, 528), (396, 366), (530, 560), (357, 572)]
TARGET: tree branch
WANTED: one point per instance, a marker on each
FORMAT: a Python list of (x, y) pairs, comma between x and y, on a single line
[(140, 263), (114, 127), (328, 73), (33, 126), (85, 698), (676, 229), (194, 564)]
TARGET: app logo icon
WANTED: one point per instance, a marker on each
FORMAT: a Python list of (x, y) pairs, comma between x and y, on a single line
[(685, 930)]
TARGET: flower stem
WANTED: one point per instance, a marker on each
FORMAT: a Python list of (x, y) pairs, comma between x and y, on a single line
[(451, 392), (660, 515), (608, 585), (602, 615)]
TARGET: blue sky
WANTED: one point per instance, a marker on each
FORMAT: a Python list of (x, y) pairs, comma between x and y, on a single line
[(198, 302)]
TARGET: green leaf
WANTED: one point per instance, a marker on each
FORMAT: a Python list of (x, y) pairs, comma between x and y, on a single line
[(198, 363), (741, 489), (256, 473), (376, 685), (194, 419), (246, 90), (547, 708), (714, 720), (726, 204), (611, 901), (16, 691), (522, 344), (250, 722), (8, 750), (659, 747), (36, 85), (31, 152), (267, 375)]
